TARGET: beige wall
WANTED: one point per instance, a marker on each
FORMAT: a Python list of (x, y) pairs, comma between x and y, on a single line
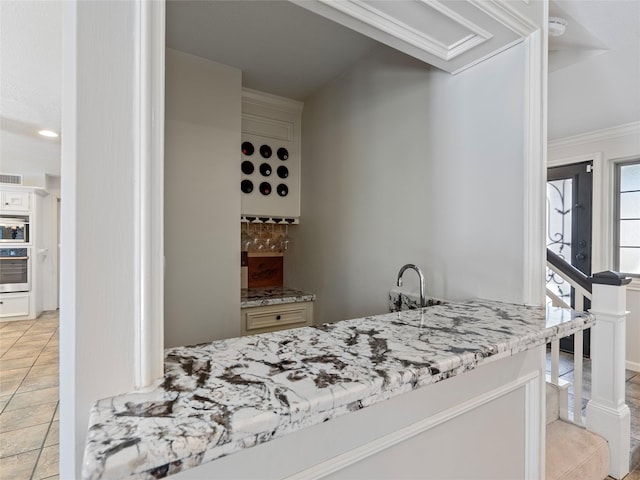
[(202, 200), (403, 163)]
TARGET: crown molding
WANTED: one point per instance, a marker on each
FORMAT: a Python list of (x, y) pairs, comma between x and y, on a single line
[(627, 129), (272, 101), (387, 28), (505, 14), (487, 56)]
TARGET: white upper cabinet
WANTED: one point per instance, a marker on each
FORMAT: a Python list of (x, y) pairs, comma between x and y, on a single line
[(15, 201), (451, 35), (270, 155)]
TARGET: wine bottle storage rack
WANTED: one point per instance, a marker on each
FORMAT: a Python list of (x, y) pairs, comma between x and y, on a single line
[(269, 156), (258, 169)]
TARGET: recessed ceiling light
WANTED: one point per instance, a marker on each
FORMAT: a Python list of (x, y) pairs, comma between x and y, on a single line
[(48, 133)]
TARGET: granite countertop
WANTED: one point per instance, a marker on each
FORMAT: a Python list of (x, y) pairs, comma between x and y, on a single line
[(400, 299), (218, 398), (259, 297)]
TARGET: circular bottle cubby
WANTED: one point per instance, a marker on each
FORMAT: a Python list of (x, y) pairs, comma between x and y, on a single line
[(247, 167), (247, 148), (283, 153), (282, 171), (246, 186), (265, 169), (282, 190), (265, 188), (265, 151)]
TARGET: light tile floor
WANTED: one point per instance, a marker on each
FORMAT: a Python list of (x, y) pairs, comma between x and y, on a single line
[(29, 398)]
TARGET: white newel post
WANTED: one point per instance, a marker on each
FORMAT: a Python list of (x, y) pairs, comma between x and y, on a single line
[(607, 414)]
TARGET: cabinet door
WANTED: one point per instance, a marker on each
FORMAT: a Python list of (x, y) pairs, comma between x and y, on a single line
[(15, 201), (14, 305)]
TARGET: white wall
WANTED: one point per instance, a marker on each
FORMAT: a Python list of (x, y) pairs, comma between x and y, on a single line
[(202, 200), (600, 91), (633, 327), (609, 145), (596, 93), (403, 163), (98, 271), (49, 266)]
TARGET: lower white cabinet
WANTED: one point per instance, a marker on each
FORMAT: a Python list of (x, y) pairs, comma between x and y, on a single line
[(14, 305), (276, 317)]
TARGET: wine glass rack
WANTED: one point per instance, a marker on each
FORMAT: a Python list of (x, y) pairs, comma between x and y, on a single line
[(276, 220)]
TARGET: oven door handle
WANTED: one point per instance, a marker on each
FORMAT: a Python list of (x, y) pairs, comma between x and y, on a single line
[(14, 258)]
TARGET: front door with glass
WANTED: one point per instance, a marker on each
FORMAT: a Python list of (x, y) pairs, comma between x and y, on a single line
[(569, 204)]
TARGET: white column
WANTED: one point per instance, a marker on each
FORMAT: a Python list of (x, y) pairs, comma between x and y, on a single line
[(111, 201), (607, 413)]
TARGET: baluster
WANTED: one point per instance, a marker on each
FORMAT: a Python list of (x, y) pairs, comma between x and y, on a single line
[(577, 378), (579, 301), (555, 361)]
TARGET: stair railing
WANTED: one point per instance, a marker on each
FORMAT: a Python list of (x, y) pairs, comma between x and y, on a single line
[(606, 414), (582, 289)]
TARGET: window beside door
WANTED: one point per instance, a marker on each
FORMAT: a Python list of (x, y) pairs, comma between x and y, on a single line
[(627, 218)]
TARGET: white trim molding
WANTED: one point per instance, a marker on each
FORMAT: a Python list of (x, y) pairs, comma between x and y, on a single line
[(271, 101), (628, 129), (487, 56), (70, 436), (366, 14), (149, 206), (505, 14), (535, 173), (533, 465)]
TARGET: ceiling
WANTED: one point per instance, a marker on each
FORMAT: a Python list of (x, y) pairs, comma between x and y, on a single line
[(30, 86), (593, 81), (594, 69), (592, 30), (281, 48)]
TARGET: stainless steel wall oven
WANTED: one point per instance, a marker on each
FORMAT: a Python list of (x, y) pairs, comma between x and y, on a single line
[(14, 229), (15, 270)]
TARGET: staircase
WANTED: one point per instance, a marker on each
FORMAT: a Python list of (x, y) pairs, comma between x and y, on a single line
[(572, 452), (596, 445)]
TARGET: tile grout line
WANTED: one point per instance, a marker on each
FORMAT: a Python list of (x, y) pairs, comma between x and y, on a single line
[(42, 447), (50, 422), (32, 365), (46, 435), (16, 389)]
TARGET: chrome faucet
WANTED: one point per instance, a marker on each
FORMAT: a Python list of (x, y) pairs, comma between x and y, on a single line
[(420, 276)]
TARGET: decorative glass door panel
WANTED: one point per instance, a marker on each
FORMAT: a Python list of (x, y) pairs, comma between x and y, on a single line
[(569, 193), (559, 216)]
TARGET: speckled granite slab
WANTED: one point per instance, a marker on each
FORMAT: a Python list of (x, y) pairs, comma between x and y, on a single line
[(259, 297), (400, 300), (218, 398)]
